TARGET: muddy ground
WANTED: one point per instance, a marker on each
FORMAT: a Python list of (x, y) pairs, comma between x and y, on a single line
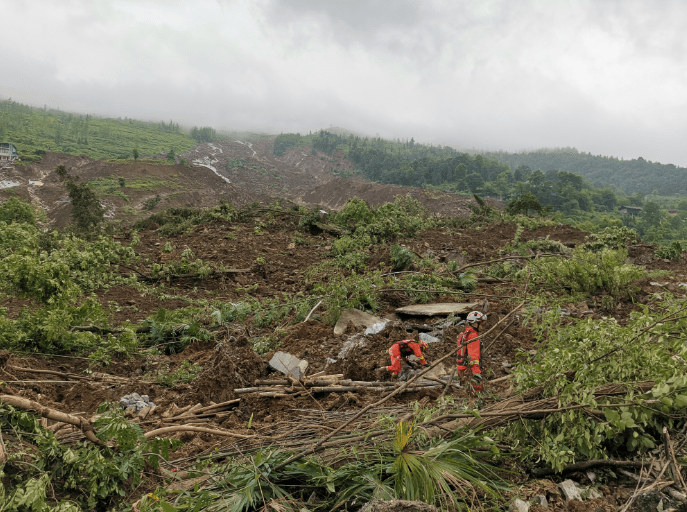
[(229, 362)]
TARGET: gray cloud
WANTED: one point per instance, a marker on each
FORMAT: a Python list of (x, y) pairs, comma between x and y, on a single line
[(608, 76)]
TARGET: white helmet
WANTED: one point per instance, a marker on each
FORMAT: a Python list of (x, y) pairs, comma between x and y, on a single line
[(476, 316)]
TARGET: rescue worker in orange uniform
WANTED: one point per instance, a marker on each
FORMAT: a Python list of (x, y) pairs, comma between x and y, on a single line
[(468, 360), (400, 351)]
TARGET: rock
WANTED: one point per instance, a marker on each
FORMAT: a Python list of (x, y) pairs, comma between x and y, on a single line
[(541, 501), (359, 318), (519, 506), (288, 364), (570, 490), (398, 506), (429, 339), (354, 342), (375, 328), (138, 402)]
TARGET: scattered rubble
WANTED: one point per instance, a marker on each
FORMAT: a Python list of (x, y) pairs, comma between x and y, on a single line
[(138, 402)]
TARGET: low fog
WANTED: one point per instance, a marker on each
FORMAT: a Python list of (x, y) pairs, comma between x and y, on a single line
[(606, 77)]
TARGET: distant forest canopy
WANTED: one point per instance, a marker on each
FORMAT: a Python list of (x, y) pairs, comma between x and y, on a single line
[(418, 165), (35, 131), (631, 176)]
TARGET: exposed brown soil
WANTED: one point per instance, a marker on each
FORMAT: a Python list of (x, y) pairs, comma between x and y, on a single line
[(228, 361)]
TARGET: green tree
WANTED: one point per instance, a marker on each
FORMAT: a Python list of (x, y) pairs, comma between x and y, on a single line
[(171, 156), (135, 153), (87, 211)]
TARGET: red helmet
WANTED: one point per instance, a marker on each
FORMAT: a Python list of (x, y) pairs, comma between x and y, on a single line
[(476, 316), (423, 345)]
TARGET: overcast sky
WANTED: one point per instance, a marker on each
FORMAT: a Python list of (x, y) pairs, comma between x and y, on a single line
[(605, 76)]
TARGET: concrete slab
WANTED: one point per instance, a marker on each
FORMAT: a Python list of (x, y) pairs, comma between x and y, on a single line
[(357, 317), (288, 364), (444, 308)]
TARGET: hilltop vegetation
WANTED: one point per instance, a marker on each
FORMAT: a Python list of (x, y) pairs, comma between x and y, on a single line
[(630, 176), (35, 131), (568, 195)]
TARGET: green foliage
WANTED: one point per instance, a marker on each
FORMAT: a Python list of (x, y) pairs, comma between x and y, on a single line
[(587, 273), (574, 357), (69, 267), (35, 131), (16, 210), (181, 220), (401, 257), (203, 134), (546, 246), (87, 211), (609, 238), (89, 476), (185, 374), (406, 467), (176, 329), (670, 252), (524, 204), (349, 292)]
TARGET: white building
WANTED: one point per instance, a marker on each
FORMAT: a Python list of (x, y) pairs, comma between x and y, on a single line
[(8, 153)]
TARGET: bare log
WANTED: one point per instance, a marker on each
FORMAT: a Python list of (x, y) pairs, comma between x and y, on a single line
[(191, 428)]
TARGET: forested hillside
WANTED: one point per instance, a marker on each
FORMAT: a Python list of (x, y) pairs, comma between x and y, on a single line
[(631, 176), (35, 131), (570, 196)]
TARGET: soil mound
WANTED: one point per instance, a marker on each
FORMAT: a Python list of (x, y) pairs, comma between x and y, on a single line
[(235, 365)]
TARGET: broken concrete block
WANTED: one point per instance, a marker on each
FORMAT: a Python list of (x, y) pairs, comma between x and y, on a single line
[(445, 308), (519, 506), (359, 318), (288, 364), (429, 339), (570, 490)]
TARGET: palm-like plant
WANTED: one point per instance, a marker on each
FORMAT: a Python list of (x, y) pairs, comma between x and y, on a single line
[(401, 469)]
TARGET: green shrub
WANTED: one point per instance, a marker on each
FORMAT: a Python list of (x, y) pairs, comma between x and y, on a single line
[(574, 357), (15, 210), (401, 257), (587, 273), (615, 237), (670, 252)]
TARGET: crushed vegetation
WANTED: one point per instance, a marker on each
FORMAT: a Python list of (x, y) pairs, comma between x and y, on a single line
[(583, 359)]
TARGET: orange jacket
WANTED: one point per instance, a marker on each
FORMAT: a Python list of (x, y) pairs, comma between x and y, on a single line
[(474, 350), (396, 356)]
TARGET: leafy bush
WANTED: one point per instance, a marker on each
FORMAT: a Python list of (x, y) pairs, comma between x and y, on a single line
[(523, 205), (16, 210), (89, 476), (186, 373), (670, 252), (615, 237), (401, 257), (587, 273), (574, 357)]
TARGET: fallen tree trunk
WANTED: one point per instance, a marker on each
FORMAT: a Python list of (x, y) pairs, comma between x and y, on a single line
[(52, 414), (191, 428)]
